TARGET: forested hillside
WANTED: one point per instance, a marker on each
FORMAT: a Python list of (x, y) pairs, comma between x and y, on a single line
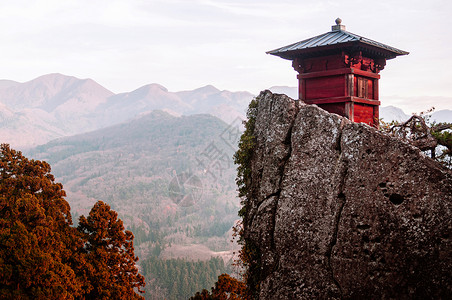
[(171, 179), (179, 278)]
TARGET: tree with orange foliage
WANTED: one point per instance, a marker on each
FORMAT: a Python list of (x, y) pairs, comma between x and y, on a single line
[(36, 239), (110, 252), (42, 256), (226, 288)]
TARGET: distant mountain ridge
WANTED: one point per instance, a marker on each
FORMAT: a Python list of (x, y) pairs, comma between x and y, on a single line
[(49, 92), (392, 113), (55, 105)]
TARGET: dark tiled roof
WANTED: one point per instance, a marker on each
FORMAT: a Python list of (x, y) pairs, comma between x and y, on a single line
[(335, 37)]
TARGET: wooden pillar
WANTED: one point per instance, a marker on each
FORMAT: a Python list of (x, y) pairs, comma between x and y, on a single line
[(349, 111), (350, 85), (301, 88), (375, 91), (376, 122), (377, 107)]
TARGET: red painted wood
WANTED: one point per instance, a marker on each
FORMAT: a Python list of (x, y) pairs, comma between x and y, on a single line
[(349, 110), (343, 99), (376, 117), (363, 113), (365, 101), (364, 73), (342, 83), (370, 89), (339, 71), (325, 87), (323, 63), (301, 88), (375, 85), (336, 108), (326, 73)]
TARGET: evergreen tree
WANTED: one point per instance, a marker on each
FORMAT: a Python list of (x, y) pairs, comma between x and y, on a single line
[(226, 288), (42, 256), (179, 277), (110, 252), (36, 240)]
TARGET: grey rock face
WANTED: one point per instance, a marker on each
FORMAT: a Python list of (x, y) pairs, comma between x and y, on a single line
[(341, 210)]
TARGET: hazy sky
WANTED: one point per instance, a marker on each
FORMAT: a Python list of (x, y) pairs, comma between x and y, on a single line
[(186, 44)]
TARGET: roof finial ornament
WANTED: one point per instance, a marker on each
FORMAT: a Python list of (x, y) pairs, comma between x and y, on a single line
[(338, 25)]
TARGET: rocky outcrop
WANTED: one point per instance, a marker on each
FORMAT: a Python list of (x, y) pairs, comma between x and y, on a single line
[(341, 210)]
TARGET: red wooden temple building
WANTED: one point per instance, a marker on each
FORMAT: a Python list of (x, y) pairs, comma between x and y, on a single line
[(339, 72)]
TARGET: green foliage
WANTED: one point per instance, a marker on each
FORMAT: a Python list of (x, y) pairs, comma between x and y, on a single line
[(244, 155), (181, 278), (444, 138), (249, 256), (141, 235)]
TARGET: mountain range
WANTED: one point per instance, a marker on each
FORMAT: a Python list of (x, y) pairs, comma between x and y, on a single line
[(54, 105), (392, 113)]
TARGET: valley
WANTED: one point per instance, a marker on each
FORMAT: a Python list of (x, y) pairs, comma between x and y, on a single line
[(133, 166)]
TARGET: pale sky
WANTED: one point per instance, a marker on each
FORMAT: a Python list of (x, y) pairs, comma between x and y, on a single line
[(186, 44)]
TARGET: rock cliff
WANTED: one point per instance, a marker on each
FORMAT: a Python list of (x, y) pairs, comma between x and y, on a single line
[(340, 210)]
